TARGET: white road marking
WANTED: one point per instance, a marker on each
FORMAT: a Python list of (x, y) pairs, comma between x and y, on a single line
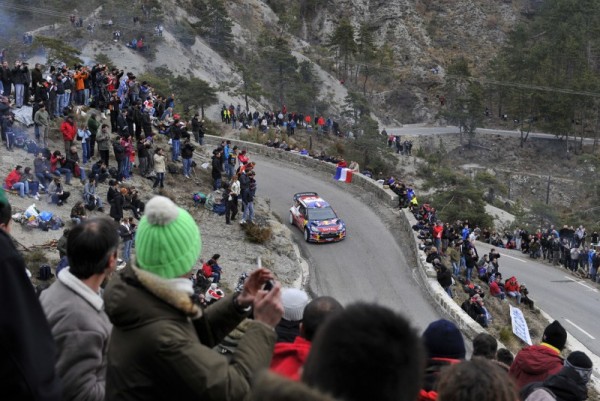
[(580, 283), (513, 257), (580, 329)]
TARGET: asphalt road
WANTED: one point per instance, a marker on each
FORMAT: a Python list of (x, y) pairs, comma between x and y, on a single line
[(422, 129), (572, 301), (368, 265)]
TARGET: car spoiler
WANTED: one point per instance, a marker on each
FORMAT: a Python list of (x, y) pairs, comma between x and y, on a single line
[(300, 194)]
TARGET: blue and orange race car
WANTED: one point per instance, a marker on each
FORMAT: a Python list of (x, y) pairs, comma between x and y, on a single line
[(316, 218)]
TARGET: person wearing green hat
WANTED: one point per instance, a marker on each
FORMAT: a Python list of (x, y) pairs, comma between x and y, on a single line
[(162, 342), (27, 349)]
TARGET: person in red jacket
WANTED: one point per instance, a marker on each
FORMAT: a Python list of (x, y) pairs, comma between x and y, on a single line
[(69, 132), (495, 289), (13, 181), (512, 288), (537, 362), (438, 229), (288, 358)]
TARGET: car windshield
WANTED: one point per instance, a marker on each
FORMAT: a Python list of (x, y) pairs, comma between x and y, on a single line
[(325, 213)]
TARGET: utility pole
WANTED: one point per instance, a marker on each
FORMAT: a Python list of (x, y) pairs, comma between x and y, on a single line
[(548, 190)]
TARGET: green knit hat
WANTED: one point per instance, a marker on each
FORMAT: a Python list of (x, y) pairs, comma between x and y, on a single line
[(167, 242)]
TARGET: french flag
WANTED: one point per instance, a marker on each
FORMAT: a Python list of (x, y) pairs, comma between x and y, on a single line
[(343, 174)]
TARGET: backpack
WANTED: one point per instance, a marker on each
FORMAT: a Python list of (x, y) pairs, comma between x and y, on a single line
[(114, 173), (91, 203), (45, 273), (20, 141), (31, 146), (219, 209)]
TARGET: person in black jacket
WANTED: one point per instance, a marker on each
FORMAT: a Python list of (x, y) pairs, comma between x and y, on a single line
[(187, 152), (217, 169), (20, 78), (116, 205), (27, 349), (444, 276)]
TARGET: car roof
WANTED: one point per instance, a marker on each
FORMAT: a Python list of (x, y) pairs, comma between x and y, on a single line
[(313, 202)]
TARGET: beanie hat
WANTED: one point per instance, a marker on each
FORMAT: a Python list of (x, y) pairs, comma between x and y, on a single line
[(555, 335), (581, 363), (442, 339), (168, 241), (294, 301)]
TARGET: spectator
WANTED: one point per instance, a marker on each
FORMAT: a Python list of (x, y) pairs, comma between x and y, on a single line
[(512, 288), (378, 334), (231, 209), (28, 352), (504, 358), (41, 168), (72, 163), (485, 346), (161, 343), (33, 185), (92, 125), (444, 276), (248, 199), (570, 383), (56, 194), (495, 289), (294, 301), (187, 152), (57, 163), (78, 214), (41, 120), (476, 380), (103, 140), (288, 358), (116, 205), (75, 309), (217, 169), (159, 168), (13, 181), (69, 132), (537, 362), (445, 346), (126, 231)]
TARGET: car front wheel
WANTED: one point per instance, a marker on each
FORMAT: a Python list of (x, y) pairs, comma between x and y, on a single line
[(291, 218), (306, 235)]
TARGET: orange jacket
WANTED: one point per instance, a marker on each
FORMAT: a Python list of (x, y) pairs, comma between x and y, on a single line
[(80, 78)]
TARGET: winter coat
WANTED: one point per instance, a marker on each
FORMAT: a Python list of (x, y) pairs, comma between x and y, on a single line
[(216, 168), (535, 363), (288, 358), (68, 130), (566, 385), (78, 322), (41, 118), (116, 206), (103, 140), (433, 370), (27, 350), (161, 344), (159, 163), (272, 387), (444, 277), (93, 126), (12, 178), (187, 152)]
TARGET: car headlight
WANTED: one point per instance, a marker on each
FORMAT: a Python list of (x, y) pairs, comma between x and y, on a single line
[(313, 228)]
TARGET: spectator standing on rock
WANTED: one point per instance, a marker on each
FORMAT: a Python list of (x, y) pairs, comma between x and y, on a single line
[(159, 168), (93, 126), (41, 120), (69, 132), (537, 362), (232, 204), (103, 140), (248, 199), (143, 155), (75, 309), (27, 350), (187, 152), (116, 205), (217, 169), (162, 342)]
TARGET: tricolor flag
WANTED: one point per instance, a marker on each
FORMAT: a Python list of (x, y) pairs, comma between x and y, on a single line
[(343, 174)]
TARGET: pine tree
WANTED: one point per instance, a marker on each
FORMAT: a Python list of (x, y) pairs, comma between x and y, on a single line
[(343, 41)]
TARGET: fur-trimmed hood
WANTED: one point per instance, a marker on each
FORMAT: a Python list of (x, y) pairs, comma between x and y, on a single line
[(272, 387), (135, 297)]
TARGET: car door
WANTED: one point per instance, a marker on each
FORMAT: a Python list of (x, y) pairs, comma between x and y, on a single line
[(301, 216)]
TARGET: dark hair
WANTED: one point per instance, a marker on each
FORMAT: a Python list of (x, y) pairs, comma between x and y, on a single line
[(27, 170), (5, 211), (216, 256), (505, 356), (485, 345), (316, 312), (476, 380), (366, 343), (19, 167), (90, 245)]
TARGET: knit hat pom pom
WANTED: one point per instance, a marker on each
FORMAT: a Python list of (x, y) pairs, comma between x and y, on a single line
[(161, 211)]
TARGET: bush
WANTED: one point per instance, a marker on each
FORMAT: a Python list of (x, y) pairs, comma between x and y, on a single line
[(258, 234)]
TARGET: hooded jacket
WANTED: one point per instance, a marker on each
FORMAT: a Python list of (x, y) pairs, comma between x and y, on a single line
[(161, 344), (535, 363), (566, 385)]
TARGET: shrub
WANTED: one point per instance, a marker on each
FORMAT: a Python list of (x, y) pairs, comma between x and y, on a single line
[(258, 234)]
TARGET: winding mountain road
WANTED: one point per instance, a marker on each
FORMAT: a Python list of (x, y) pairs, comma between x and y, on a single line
[(368, 265)]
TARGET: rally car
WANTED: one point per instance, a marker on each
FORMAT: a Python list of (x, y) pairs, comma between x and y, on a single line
[(316, 218)]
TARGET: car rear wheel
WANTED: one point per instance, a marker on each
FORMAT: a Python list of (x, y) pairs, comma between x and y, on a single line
[(291, 218), (306, 235)]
